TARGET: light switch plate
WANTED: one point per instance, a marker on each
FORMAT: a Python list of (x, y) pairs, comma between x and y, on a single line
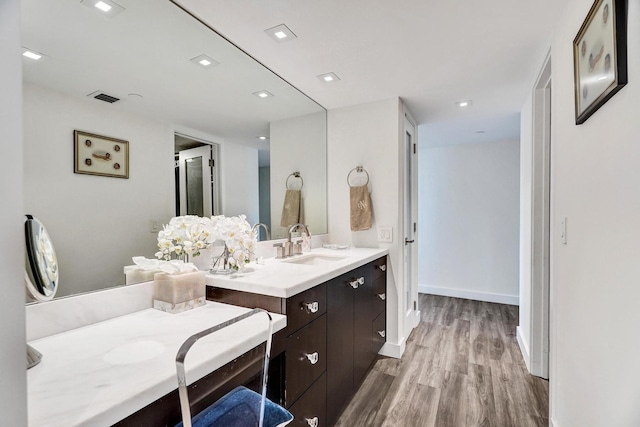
[(563, 230), (154, 225), (385, 234)]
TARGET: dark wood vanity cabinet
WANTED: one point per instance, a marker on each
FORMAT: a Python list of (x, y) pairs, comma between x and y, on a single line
[(334, 332), (355, 333)]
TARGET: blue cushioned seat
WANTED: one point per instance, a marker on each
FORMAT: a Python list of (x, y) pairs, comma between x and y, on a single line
[(241, 408)]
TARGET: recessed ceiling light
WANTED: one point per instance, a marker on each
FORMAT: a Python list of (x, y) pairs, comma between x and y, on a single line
[(33, 55), (479, 131), (328, 77), (280, 33), (463, 104), (104, 7), (204, 61), (263, 94), (263, 138)]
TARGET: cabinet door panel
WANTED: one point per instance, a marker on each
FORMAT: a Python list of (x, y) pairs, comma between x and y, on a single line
[(306, 358), (340, 300), (363, 316), (311, 408), (379, 333)]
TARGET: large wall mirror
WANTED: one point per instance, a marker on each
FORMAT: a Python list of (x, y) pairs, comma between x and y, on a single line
[(148, 55)]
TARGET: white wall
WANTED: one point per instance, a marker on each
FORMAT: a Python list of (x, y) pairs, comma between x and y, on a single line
[(13, 387), (469, 221), (298, 144), (240, 181), (368, 135), (595, 277), (96, 223)]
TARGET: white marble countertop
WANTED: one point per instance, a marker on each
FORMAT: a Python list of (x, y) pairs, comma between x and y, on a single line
[(99, 374), (287, 277)]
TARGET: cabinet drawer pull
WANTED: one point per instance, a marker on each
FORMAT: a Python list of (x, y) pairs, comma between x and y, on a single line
[(382, 296), (382, 333), (355, 283), (382, 267), (312, 307), (313, 357), (313, 422)]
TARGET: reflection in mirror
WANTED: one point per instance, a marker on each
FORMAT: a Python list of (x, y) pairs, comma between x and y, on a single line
[(144, 66), (41, 269)]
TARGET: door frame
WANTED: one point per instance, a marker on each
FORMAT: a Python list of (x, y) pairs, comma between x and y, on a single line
[(412, 314), (542, 230), (216, 184)]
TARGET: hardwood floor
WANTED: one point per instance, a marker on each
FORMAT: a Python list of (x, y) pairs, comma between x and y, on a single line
[(462, 367)]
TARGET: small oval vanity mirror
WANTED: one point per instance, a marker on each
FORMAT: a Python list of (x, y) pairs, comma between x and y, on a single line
[(41, 269)]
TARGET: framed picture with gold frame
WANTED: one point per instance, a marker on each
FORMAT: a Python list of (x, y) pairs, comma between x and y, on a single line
[(600, 56), (100, 155)]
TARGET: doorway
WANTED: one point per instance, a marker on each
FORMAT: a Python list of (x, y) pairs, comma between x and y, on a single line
[(196, 172), (541, 224)]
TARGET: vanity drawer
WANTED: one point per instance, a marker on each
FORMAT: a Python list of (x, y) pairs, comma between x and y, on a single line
[(306, 307), (379, 295), (380, 267), (379, 332), (310, 410), (306, 358)]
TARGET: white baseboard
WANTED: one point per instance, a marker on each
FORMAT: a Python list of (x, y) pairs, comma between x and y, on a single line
[(474, 295), (524, 348), (393, 350)]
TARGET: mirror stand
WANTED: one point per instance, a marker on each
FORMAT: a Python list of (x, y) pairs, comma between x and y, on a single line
[(33, 357)]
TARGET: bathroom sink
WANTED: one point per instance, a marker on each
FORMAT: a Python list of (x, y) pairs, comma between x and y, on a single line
[(314, 259)]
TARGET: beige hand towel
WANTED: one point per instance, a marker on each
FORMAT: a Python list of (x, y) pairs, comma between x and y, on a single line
[(293, 209), (361, 211)]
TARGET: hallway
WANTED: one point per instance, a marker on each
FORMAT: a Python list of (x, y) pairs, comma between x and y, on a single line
[(462, 367)]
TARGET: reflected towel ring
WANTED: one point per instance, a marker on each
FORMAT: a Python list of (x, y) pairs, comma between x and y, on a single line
[(358, 169), (295, 175)]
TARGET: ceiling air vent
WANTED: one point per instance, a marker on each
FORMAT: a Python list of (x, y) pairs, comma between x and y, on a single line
[(100, 95)]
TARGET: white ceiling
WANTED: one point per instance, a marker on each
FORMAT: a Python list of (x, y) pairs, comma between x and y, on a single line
[(430, 53)]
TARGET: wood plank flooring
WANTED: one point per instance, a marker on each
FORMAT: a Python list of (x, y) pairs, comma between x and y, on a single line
[(462, 367)]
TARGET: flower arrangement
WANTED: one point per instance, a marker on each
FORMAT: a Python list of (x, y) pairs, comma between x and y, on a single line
[(190, 234), (238, 237), (184, 235)]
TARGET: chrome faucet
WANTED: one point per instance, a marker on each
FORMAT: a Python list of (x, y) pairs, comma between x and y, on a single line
[(266, 229), (297, 248)]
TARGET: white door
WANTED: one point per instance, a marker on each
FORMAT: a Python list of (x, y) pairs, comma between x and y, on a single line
[(410, 234), (195, 181)]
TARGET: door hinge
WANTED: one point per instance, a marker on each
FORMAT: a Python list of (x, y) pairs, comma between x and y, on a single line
[(211, 163), (415, 306), (415, 227), (414, 148)]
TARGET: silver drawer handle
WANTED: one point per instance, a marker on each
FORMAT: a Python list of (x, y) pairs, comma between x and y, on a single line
[(382, 296), (312, 307), (357, 282), (313, 357), (382, 267), (382, 333), (313, 422)]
